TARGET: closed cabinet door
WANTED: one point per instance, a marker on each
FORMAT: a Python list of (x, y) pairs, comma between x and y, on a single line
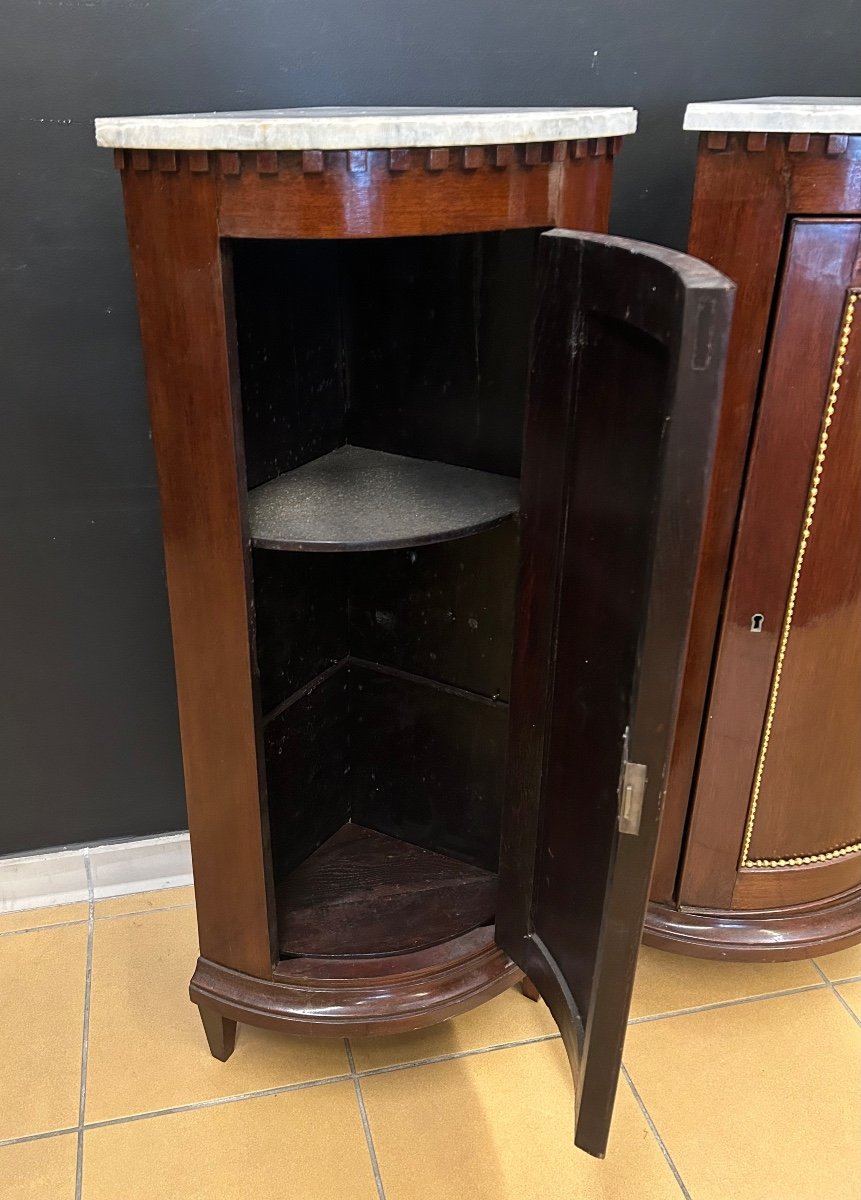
[(777, 814), (627, 358)]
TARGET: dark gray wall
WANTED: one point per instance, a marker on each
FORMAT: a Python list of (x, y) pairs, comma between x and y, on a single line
[(88, 737)]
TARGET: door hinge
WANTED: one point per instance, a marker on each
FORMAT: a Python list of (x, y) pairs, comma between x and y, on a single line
[(631, 792)]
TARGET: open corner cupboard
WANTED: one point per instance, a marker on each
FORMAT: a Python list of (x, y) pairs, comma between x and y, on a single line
[(433, 481)]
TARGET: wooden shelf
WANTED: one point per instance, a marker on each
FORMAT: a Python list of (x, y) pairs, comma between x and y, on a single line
[(364, 893), (359, 499)]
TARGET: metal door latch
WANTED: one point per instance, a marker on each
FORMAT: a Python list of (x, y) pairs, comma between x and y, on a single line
[(631, 793)]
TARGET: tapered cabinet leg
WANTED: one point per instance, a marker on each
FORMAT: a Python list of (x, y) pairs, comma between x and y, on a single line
[(529, 989), (220, 1032)]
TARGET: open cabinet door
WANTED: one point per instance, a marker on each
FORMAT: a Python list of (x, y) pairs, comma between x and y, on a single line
[(627, 359)]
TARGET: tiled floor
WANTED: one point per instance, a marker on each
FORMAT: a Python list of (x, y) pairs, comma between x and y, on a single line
[(741, 1083)]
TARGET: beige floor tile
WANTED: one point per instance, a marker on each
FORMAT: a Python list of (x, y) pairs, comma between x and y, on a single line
[(305, 1145), (498, 1126), (43, 1170), (756, 1100), (118, 906), (42, 982), (845, 964), (39, 918), (851, 993), (510, 1017), (668, 982), (146, 1047)]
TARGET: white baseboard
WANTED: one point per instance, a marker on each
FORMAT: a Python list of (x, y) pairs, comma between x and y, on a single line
[(94, 872)]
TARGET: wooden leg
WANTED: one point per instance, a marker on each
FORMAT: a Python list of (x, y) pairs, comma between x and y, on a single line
[(529, 989), (220, 1032)]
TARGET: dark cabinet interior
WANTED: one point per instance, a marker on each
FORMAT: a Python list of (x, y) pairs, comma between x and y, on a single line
[(382, 388)]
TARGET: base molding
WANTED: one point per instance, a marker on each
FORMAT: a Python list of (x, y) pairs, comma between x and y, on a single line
[(361, 997), (768, 935)]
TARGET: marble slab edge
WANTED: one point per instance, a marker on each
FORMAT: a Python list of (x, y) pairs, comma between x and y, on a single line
[(777, 114), (277, 131)]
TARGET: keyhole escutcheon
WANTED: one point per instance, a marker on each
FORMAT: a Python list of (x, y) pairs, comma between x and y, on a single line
[(756, 623)]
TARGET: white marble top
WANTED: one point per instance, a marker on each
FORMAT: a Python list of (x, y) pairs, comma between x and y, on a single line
[(778, 114), (361, 128)]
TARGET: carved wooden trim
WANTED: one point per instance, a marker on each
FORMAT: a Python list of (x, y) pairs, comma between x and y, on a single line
[(831, 145), (198, 161), (400, 160), (837, 144), (317, 162), (312, 162), (437, 159), (267, 162)]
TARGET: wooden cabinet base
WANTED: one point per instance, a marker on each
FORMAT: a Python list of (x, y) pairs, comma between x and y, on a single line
[(773, 935), (354, 997), (220, 1033)]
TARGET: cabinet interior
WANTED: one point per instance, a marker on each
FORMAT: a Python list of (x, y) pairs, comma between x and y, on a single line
[(383, 582)]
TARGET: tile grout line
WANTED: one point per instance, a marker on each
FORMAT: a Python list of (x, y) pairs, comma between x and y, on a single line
[(215, 1102), (37, 1137), (39, 928), (85, 1041), (685, 1012), (363, 1113), (438, 1058), (276, 1091), (648, 1116), (142, 912), (833, 986)]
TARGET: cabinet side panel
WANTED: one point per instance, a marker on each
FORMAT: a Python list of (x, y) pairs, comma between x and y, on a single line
[(187, 334)]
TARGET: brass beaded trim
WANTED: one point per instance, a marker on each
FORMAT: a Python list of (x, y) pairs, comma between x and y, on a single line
[(833, 393)]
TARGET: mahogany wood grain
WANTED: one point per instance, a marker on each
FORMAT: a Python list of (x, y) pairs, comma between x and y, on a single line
[(364, 893), (817, 721), (186, 325), (384, 196), (776, 934), (179, 205), (777, 887), (529, 989), (362, 997), (729, 194), (220, 1033), (613, 498), (742, 201)]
